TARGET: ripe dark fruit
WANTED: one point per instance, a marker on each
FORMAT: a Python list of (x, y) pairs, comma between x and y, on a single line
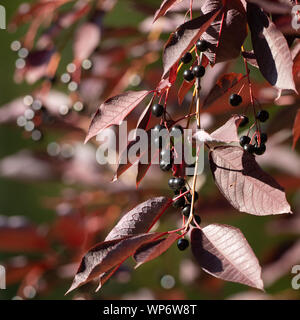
[(263, 138), (171, 183), (176, 131), (249, 148), (165, 166), (179, 203), (179, 183), (188, 75), (244, 140), (157, 110), (186, 210), (198, 71), (166, 156), (263, 115), (187, 58), (197, 220), (158, 128), (244, 122), (158, 142), (235, 100), (202, 45), (182, 244), (259, 150), (189, 197)]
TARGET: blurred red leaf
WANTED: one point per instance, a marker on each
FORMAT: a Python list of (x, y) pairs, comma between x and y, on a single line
[(296, 129), (22, 239)]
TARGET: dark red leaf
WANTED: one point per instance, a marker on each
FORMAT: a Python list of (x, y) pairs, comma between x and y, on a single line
[(114, 110), (188, 33), (244, 184), (224, 41), (152, 250), (271, 49), (272, 6), (139, 219), (164, 7), (106, 255), (223, 252), (224, 83)]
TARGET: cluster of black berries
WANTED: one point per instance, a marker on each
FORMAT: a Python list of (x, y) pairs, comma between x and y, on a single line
[(197, 71), (259, 146), (177, 184)]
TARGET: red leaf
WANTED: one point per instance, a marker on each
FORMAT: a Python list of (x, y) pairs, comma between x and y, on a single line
[(152, 250), (114, 110), (164, 7), (250, 58), (83, 45), (139, 219), (244, 184), (228, 132), (184, 89), (22, 239), (223, 252), (188, 33), (124, 162), (272, 6), (296, 129), (271, 49), (224, 42), (224, 83), (106, 255)]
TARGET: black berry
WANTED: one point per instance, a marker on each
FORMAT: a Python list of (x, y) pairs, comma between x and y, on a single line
[(186, 210), (157, 110), (182, 244), (165, 166), (259, 150), (187, 58), (179, 203), (188, 75), (179, 183), (176, 131), (171, 183), (244, 122), (197, 219), (249, 148), (158, 128), (235, 99), (202, 45), (158, 142), (166, 156), (198, 71), (244, 140), (189, 197), (263, 115), (263, 138)]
